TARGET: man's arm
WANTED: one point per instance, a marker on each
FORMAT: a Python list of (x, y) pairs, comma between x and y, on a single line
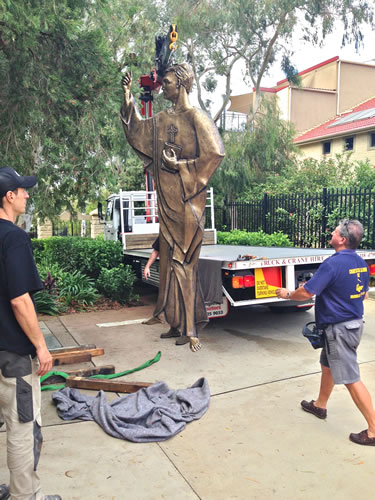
[(300, 294), (24, 311), (151, 260)]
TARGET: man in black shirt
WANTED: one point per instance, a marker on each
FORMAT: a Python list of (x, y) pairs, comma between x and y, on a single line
[(24, 356)]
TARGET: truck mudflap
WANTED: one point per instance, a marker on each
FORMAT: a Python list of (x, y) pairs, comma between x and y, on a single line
[(218, 310)]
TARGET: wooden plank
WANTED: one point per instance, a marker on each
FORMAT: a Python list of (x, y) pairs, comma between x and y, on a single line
[(140, 241), (95, 370), (72, 348), (69, 358), (105, 385), (97, 351), (208, 237), (85, 372)]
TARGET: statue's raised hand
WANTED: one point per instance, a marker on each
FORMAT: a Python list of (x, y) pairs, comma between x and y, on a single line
[(126, 83)]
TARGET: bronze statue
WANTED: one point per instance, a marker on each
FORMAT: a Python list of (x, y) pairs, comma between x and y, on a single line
[(182, 148)]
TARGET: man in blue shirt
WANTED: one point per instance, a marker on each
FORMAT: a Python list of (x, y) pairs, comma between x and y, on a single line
[(340, 286)]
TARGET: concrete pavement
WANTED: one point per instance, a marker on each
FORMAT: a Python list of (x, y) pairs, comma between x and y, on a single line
[(254, 442)]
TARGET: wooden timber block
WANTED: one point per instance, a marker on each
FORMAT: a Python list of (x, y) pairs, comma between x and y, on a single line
[(91, 349), (69, 358), (85, 372), (105, 385), (73, 348)]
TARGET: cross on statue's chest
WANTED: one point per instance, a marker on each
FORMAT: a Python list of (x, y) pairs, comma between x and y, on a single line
[(172, 132)]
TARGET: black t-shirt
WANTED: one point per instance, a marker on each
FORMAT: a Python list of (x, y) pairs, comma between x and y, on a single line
[(156, 245), (18, 275)]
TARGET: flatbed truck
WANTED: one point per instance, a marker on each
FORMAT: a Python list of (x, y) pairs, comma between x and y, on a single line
[(242, 276)]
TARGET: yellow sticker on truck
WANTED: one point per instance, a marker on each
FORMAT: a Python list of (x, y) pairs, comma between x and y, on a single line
[(267, 281)]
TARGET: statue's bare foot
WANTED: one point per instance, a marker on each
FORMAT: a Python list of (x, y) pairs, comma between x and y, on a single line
[(195, 345)]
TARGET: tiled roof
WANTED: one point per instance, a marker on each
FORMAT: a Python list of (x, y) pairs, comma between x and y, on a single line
[(330, 129)]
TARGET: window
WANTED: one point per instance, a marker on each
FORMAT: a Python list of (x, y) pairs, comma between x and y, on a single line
[(349, 143), (372, 140), (326, 147)]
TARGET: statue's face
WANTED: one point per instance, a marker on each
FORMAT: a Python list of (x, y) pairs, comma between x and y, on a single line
[(170, 87)]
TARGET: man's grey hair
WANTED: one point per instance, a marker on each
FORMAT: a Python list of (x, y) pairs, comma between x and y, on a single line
[(352, 230), (184, 74)]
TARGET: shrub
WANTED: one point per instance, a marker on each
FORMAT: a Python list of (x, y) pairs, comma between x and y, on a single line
[(117, 284), (260, 238), (72, 253), (46, 268), (45, 303), (76, 289)]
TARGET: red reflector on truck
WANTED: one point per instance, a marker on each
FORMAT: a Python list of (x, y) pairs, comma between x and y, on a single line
[(237, 282), (372, 269), (243, 281), (249, 281)]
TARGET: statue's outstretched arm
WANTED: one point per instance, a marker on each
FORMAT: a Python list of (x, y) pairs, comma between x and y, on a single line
[(138, 131)]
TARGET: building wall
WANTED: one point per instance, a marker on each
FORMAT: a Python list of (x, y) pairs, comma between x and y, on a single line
[(310, 108), (361, 150), (324, 77), (283, 97), (357, 83)]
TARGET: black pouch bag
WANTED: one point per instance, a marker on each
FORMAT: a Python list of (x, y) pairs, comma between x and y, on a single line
[(315, 335)]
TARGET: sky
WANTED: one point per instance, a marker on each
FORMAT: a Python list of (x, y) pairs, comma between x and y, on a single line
[(305, 56)]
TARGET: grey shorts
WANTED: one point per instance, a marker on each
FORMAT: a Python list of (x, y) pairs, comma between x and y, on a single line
[(340, 355)]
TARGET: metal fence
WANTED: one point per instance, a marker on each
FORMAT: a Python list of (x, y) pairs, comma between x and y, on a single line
[(72, 228), (307, 219)]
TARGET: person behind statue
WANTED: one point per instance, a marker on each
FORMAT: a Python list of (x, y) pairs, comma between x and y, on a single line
[(173, 330), (340, 286), (182, 148), (24, 356)]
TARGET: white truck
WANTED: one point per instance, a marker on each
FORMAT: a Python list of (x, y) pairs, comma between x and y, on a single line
[(230, 275)]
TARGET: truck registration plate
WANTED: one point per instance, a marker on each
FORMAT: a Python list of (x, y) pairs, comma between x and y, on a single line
[(218, 310)]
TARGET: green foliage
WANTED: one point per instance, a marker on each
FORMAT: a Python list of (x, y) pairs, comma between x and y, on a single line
[(87, 255), (76, 289), (117, 284), (46, 266), (255, 157), (60, 68), (46, 303), (76, 269), (234, 174), (311, 176), (258, 239)]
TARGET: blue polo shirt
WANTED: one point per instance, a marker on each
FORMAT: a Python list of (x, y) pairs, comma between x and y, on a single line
[(340, 285)]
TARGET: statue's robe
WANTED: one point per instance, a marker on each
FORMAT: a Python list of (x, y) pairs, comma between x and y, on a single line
[(181, 198)]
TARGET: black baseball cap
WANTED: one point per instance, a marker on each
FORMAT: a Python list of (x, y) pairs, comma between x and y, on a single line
[(10, 180)]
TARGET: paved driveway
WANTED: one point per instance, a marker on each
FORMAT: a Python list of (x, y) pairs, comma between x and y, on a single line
[(254, 442)]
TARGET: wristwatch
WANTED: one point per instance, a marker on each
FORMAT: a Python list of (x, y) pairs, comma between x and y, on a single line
[(287, 295)]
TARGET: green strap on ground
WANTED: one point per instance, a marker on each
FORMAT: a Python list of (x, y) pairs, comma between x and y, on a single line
[(56, 387)]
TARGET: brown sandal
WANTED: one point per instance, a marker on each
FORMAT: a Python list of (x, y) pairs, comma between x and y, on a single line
[(362, 438)]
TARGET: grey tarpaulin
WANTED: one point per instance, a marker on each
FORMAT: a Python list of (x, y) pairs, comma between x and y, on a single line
[(152, 414), (210, 279)]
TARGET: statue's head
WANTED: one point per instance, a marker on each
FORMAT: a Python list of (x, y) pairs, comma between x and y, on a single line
[(184, 74)]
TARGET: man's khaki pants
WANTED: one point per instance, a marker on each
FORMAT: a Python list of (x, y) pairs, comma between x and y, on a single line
[(20, 400)]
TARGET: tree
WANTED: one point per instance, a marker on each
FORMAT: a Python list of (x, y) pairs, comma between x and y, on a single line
[(255, 155), (60, 67), (265, 28), (216, 35)]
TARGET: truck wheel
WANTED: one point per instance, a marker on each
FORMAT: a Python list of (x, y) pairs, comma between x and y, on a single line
[(288, 309)]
